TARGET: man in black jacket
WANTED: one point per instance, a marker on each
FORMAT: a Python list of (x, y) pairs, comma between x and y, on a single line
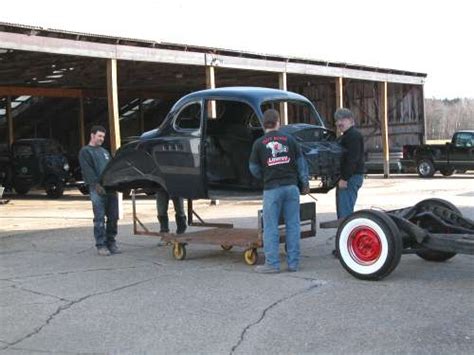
[(277, 159), (352, 163), (93, 159)]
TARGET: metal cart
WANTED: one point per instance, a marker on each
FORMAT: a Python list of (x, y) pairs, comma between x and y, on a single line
[(224, 234)]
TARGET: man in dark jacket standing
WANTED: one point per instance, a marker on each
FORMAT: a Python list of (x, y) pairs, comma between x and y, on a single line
[(277, 159), (93, 159), (352, 163)]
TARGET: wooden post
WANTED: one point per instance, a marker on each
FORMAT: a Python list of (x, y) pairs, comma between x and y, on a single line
[(113, 104), (424, 115), (383, 114), (82, 134), (9, 116), (211, 109), (211, 84), (339, 93), (284, 105), (114, 124)]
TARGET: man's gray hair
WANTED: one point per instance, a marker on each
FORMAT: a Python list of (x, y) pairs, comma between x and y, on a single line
[(343, 113)]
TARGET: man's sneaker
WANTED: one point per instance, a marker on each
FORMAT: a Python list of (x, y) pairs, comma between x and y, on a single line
[(102, 251), (266, 269), (293, 269), (113, 248)]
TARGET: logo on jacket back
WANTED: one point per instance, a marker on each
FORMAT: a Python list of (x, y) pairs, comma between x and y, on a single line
[(277, 148)]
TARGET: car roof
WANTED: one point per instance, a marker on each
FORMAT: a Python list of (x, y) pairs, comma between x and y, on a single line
[(250, 94), (465, 131)]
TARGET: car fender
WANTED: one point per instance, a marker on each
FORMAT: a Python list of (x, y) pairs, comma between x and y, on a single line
[(131, 166)]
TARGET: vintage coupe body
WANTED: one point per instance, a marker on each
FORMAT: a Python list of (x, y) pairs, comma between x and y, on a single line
[(202, 148)]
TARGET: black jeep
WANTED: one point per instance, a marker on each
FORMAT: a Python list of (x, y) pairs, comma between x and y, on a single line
[(202, 148), (33, 163)]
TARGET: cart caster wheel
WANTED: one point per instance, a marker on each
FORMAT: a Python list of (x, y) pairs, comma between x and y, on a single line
[(179, 251), (251, 256), (226, 247)]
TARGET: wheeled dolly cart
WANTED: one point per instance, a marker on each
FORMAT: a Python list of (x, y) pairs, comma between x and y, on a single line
[(370, 243), (224, 234)]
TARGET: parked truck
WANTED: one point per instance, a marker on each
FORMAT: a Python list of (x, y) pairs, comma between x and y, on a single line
[(427, 159), (36, 162)]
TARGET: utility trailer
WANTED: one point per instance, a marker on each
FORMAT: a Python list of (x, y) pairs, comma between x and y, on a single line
[(369, 243)]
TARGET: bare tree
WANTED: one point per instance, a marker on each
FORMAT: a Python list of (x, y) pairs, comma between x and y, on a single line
[(444, 117)]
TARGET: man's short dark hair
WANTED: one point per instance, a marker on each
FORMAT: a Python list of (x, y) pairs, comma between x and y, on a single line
[(97, 128), (270, 118)]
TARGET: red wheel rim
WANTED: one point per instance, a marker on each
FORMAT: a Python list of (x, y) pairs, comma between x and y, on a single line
[(364, 245)]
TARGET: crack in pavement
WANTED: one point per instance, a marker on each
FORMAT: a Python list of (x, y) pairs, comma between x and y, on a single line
[(11, 252), (267, 309), (39, 293), (28, 304), (12, 279), (69, 305), (28, 350)]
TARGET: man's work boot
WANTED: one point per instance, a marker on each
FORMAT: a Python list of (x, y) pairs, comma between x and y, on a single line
[(103, 251), (114, 249), (266, 269), (164, 224), (181, 224)]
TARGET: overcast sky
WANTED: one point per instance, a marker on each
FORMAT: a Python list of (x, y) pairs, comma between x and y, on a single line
[(433, 38)]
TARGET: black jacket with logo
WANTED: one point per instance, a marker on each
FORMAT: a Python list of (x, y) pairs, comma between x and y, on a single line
[(277, 158)]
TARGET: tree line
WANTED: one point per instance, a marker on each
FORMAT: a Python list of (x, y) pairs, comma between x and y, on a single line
[(444, 117)]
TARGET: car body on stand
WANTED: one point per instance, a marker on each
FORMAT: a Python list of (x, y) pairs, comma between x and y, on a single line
[(202, 148)]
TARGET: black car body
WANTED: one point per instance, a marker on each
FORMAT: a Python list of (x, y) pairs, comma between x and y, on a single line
[(37, 162), (446, 158), (202, 148)]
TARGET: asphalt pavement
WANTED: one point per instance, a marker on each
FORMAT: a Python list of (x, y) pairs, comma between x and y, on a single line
[(58, 295)]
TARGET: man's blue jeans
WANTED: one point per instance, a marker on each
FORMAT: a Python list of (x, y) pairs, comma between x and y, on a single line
[(346, 198), (286, 200), (104, 206)]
